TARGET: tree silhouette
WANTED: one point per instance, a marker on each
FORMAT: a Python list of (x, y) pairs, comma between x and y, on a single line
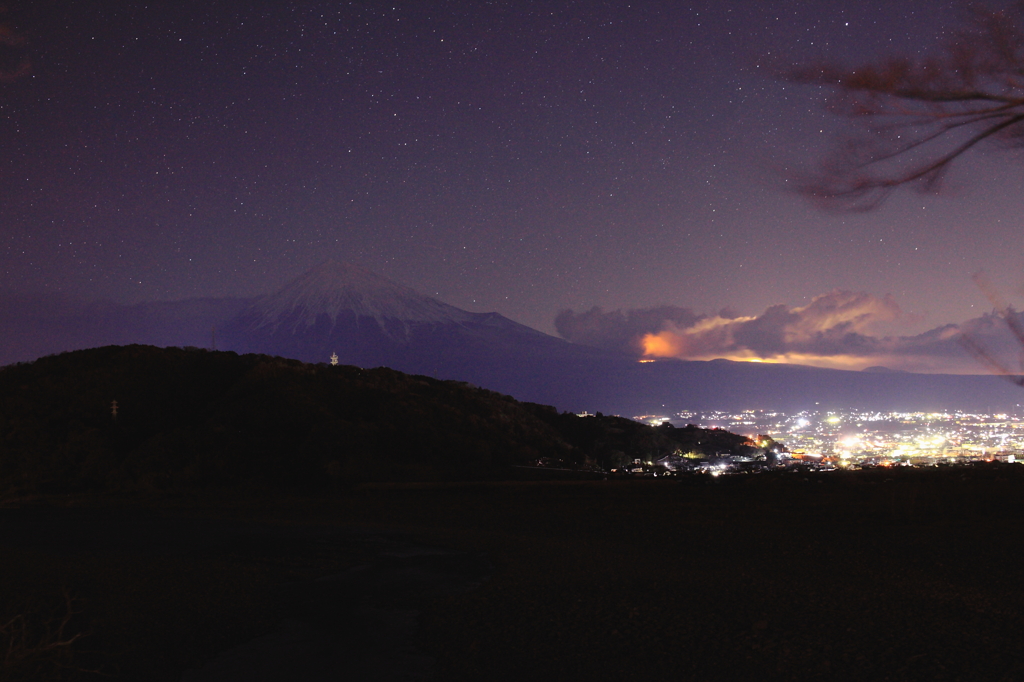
[(1014, 323), (914, 117)]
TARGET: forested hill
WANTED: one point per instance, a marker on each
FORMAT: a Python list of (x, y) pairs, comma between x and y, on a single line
[(192, 419)]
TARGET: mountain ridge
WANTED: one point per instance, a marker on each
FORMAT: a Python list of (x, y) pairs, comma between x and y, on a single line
[(369, 321)]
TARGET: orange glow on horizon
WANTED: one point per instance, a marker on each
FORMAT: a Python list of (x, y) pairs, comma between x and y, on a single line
[(660, 345), (848, 362), (695, 344)]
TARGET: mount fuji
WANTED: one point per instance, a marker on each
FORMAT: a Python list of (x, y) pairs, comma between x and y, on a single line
[(368, 320), (340, 291)]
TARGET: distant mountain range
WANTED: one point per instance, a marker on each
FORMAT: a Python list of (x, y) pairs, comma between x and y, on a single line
[(369, 321)]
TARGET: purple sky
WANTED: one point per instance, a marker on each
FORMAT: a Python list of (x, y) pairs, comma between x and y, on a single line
[(523, 158)]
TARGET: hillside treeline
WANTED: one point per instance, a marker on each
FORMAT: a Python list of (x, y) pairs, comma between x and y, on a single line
[(190, 418)]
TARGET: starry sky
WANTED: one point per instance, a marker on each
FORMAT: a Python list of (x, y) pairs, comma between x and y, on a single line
[(525, 158)]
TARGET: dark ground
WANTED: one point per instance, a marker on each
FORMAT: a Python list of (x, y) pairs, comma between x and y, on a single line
[(887, 574)]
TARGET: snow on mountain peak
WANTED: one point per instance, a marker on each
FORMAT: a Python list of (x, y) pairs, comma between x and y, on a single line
[(333, 288)]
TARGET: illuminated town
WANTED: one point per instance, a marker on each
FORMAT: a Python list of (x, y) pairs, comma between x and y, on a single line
[(856, 438)]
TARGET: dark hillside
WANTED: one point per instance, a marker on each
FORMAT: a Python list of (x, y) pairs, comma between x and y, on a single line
[(194, 419), (198, 418), (614, 441)]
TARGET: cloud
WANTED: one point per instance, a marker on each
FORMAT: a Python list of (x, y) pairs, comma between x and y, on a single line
[(616, 330), (837, 329), (830, 330)]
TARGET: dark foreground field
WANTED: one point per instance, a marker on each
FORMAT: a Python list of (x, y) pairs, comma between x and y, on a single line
[(874, 575)]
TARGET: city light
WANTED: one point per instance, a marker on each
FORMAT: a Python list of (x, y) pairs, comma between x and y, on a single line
[(851, 438)]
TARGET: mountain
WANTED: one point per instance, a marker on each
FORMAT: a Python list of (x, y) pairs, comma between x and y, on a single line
[(338, 291), (728, 385), (370, 321)]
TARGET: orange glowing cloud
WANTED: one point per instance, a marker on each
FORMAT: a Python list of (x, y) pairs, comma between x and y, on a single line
[(838, 330), (833, 331), (663, 345)]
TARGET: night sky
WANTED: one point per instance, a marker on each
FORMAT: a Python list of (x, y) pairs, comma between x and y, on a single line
[(524, 158)]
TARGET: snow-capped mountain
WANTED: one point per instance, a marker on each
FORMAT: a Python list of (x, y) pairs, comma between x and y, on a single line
[(369, 320), (341, 290)]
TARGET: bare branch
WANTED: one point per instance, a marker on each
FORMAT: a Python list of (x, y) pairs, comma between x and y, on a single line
[(39, 648), (987, 359), (914, 113)]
